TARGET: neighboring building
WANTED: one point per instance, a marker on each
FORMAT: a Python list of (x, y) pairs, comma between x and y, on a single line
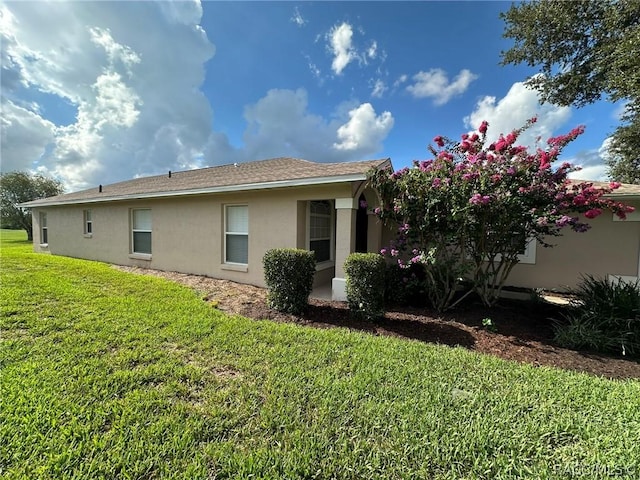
[(220, 221)]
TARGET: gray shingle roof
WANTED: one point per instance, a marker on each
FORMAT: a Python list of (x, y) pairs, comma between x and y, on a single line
[(625, 189), (234, 177)]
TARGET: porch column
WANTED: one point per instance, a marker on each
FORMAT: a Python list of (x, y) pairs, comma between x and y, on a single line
[(374, 233), (345, 244)]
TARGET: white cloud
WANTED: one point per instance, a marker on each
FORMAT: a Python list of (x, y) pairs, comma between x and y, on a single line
[(592, 163), (132, 73), (297, 18), (24, 136), (280, 124), (400, 80), (372, 51), (435, 84), (131, 70), (115, 51), (513, 110), (340, 40), (379, 88), (365, 130)]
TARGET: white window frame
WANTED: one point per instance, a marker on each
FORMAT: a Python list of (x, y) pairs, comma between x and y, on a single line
[(529, 255), (331, 216), (44, 229), (134, 254), (227, 232), (88, 223)]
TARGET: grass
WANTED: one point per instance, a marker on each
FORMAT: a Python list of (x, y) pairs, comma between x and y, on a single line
[(111, 375)]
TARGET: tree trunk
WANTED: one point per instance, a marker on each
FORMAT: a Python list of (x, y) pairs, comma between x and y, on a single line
[(29, 234)]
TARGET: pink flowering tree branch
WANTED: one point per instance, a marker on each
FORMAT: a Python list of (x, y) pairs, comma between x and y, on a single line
[(469, 211)]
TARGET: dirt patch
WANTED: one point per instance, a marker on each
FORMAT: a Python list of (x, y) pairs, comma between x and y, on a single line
[(522, 329)]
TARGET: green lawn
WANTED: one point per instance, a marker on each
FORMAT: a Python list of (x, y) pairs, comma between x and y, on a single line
[(106, 374)]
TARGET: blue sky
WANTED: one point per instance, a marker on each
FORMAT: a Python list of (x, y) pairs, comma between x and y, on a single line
[(98, 92)]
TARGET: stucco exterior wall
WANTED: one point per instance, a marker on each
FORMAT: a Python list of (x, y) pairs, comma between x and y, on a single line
[(608, 248), (188, 232)]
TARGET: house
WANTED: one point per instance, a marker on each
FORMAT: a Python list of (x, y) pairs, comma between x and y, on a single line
[(219, 221), (610, 249)]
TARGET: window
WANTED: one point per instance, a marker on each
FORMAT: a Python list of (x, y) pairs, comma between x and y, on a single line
[(44, 231), (141, 231), (88, 223), (236, 234), (527, 252), (528, 255), (320, 229)]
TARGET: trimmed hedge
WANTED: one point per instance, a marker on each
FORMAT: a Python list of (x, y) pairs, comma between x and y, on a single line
[(365, 274), (288, 273)]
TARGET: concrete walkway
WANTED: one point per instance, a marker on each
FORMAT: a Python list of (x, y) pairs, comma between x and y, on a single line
[(321, 292)]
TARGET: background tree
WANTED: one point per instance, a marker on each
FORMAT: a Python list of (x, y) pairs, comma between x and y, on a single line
[(585, 50), (20, 187)]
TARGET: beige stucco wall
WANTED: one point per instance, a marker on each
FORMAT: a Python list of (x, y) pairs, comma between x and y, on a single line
[(187, 232), (608, 248)]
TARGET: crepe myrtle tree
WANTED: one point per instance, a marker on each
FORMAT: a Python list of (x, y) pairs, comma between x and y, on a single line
[(469, 211)]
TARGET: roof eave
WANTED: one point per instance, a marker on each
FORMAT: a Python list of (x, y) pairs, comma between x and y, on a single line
[(203, 191)]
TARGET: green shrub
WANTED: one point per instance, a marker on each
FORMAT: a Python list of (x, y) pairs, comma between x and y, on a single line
[(365, 274), (605, 317), (288, 273)]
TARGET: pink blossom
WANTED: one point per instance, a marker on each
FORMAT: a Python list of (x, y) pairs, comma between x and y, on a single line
[(394, 252), (500, 145), (439, 141), (383, 251), (593, 213), (477, 199), (436, 182), (564, 221), (483, 127), (579, 200), (425, 165), (614, 185)]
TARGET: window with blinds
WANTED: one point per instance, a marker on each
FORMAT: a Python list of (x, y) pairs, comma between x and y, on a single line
[(236, 234), (320, 231), (141, 230), (44, 230)]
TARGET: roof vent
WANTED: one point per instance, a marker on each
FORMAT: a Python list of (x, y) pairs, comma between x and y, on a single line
[(169, 173), (235, 164), (100, 189)]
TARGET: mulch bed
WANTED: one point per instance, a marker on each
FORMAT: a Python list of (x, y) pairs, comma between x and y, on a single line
[(523, 331)]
